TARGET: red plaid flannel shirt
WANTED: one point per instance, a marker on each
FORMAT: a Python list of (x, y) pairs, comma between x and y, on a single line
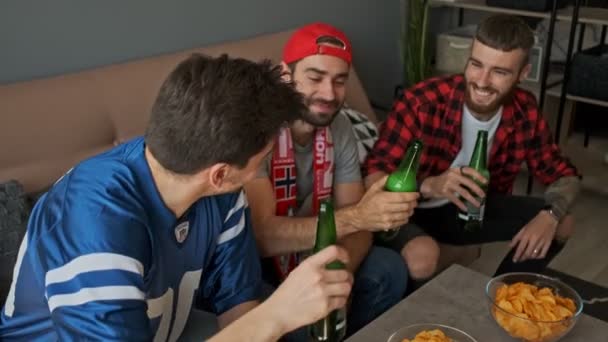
[(432, 111)]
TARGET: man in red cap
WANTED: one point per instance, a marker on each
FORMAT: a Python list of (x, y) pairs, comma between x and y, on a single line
[(315, 158)]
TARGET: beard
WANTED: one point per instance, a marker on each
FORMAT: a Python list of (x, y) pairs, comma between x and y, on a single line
[(320, 119), (487, 108)]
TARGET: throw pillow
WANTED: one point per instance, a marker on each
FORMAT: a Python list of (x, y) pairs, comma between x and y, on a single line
[(14, 213), (365, 131)]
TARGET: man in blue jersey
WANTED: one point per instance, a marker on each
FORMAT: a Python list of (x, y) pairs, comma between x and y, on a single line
[(120, 247)]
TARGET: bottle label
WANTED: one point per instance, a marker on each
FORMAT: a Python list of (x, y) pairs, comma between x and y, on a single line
[(330, 329), (473, 213), (341, 320)]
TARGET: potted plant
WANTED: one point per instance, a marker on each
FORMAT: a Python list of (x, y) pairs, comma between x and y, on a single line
[(414, 47)]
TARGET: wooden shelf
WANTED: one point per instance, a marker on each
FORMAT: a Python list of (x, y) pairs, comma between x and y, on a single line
[(555, 79), (587, 15), (480, 5), (556, 91)]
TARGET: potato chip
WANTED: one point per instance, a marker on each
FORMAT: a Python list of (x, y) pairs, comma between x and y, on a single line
[(530, 313), (434, 335)]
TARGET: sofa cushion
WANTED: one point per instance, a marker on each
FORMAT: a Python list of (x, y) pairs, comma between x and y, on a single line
[(14, 213)]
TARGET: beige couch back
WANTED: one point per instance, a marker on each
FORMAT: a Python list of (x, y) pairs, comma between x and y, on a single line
[(48, 125)]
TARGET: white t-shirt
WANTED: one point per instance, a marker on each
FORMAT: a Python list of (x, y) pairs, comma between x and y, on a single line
[(470, 126)]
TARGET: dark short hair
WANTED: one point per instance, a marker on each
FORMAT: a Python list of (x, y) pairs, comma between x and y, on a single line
[(506, 33), (211, 110)]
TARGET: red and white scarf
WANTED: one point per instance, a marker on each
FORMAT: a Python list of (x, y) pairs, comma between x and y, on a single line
[(283, 178)]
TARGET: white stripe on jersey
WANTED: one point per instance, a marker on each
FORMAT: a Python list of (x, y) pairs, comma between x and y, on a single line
[(92, 294), (232, 232), (162, 307), (241, 202), (93, 262), (9, 306), (190, 281)]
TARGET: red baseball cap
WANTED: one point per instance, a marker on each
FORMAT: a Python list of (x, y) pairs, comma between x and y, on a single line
[(305, 42)]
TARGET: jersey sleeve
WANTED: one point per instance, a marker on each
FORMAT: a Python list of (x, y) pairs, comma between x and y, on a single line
[(233, 275), (94, 262)]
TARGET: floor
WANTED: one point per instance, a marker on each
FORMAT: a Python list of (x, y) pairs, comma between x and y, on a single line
[(586, 254)]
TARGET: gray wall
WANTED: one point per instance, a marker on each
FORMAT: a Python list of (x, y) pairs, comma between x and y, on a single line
[(46, 38)]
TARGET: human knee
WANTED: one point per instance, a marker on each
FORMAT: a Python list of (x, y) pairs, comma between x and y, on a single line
[(565, 228), (385, 271), (421, 256)]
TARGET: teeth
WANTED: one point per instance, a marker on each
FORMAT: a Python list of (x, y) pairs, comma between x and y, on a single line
[(482, 92)]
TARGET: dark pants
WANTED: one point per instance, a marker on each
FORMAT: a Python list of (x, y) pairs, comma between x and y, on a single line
[(504, 217)]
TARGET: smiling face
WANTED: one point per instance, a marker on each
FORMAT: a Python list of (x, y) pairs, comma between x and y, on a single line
[(491, 76), (321, 79)]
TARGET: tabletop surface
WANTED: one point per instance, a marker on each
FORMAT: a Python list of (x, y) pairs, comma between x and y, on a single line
[(456, 297)]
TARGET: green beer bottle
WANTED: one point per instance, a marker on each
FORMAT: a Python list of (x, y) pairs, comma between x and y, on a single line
[(472, 219), (403, 180), (333, 327)]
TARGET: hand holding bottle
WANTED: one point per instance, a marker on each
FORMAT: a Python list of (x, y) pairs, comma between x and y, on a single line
[(311, 291), (380, 210), (455, 183)]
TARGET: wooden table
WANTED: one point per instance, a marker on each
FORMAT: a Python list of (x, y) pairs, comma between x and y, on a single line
[(457, 298)]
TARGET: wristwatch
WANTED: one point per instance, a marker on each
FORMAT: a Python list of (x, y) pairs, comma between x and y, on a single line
[(553, 212)]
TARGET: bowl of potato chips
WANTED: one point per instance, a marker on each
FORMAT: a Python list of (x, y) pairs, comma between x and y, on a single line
[(533, 307), (429, 332)]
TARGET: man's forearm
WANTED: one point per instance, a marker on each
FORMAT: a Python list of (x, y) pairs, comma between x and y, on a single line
[(283, 234), (258, 325), (562, 193), (235, 313)]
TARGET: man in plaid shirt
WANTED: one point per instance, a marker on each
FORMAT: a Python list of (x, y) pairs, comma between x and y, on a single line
[(446, 113)]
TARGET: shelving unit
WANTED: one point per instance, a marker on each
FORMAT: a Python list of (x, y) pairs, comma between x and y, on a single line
[(551, 84), (587, 15), (557, 89)]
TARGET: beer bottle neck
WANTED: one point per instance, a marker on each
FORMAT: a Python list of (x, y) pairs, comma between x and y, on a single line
[(479, 157), (410, 160), (326, 226)]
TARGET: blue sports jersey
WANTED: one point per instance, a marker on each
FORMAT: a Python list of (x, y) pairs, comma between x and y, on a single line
[(104, 259)]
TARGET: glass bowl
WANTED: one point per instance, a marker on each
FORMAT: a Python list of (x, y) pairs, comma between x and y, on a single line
[(410, 332), (519, 324)]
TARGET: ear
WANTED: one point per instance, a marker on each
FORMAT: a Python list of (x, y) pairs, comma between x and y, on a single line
[(285, 72), (218, 174), (525, 71)]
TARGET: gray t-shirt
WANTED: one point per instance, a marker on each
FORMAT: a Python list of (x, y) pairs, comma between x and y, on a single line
[(347, 168)]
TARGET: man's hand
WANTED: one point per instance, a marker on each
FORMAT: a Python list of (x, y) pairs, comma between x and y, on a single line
[(534, 239), (311, 292), (453, 184), (382, 210)]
